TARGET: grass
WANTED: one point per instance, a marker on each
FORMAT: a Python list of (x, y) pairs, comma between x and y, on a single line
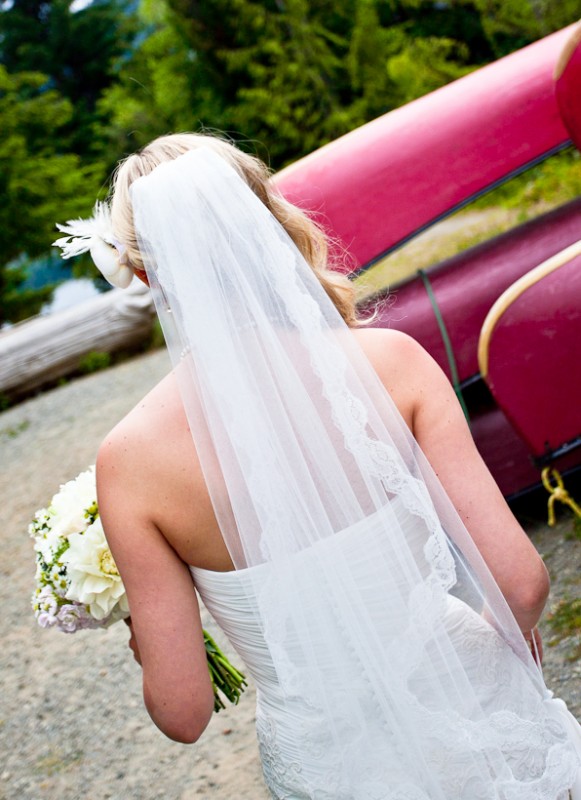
[(13, 431), (56, 762), (540, 189), (452, 236), (565, 622), (575, 532), (553, 182), (94, 362)]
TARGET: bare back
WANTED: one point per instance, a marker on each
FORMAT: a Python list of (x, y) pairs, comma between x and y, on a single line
[(172, 489)]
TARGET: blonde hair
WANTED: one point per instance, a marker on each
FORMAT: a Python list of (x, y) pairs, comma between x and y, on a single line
[(306, 234)]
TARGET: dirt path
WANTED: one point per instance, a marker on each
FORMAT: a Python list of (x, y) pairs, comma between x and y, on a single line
[(72, 723)]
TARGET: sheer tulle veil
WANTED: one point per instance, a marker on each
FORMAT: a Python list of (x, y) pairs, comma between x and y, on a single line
[(300, 443)]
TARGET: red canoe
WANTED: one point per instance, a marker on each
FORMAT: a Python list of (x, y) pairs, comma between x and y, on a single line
[(386, 182)]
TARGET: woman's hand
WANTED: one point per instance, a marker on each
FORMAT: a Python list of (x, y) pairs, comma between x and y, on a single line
[(535, 642), (133, 641)]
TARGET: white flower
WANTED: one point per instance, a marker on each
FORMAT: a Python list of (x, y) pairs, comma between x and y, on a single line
[(54, 576), (67, 508), (46, 620), (40, 522), (58, 580), (46, 601), (47, 545), (96, 235), (45, 606), (92, 572), (71, 618)]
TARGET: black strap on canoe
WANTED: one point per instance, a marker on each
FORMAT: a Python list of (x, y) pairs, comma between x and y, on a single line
[(446, 340)]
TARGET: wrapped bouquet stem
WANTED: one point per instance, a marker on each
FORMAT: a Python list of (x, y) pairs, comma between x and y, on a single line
[(78, 585)]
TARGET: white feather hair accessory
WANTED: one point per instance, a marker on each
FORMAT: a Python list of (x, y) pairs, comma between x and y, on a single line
[(95, 236)]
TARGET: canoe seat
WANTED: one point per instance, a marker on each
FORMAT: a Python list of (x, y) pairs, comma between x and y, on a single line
[(529, 354)]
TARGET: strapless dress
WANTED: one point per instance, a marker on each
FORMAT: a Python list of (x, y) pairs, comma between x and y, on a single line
[(302, 760)]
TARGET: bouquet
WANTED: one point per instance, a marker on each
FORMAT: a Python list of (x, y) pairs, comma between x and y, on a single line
[(78, 585)]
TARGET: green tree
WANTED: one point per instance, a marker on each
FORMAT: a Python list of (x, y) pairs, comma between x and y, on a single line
[(77, 51), (555, 16), (161, 87), (274, 75), (39, 183), (512, 24), (293, 74), (288, 82), (424, 65)]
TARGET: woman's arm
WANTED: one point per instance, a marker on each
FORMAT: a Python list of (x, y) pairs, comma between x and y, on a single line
[(165, 617), (427, 400)]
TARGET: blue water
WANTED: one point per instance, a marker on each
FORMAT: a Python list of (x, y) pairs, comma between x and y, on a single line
[(69, 294), (50, 270)]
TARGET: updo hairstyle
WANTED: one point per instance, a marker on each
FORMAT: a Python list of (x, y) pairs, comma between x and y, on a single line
[(306, 234)]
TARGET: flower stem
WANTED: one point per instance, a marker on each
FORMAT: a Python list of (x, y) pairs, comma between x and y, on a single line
[(224, 676)]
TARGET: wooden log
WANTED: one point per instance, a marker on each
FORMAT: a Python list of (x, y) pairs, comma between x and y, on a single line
[(43, 349)]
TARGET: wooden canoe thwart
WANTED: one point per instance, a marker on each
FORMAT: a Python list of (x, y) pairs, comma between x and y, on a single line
[(43, 349), (530, 351)]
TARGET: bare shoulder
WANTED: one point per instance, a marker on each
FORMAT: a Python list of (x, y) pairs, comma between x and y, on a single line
[(140, 443), (387, 349), (161, 406), (407, 371)]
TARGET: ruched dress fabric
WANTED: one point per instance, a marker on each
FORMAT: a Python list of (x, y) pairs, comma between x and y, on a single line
[(510, 746)]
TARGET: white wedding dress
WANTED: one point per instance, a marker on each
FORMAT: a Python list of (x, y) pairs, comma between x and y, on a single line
[(507, 747), (387, 663)]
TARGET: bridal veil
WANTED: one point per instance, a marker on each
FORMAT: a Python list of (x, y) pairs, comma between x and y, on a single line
[(393, 648)]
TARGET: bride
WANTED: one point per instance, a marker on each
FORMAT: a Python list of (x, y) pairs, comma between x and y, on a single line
[(315, 481)]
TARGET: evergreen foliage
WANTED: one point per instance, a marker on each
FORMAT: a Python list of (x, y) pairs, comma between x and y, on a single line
[(293, 75), (81, 88), (78, 52), (39, 182)]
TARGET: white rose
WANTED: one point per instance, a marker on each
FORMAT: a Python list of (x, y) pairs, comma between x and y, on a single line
[(67, 508), (92, 572)]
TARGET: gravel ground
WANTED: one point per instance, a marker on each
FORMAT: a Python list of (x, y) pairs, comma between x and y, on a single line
[(72, 723)]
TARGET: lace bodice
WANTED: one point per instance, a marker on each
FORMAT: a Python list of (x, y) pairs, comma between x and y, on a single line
[(510, 746)]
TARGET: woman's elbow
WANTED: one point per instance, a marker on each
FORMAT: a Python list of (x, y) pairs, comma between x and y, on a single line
[(539, 586), (183, 722), (186, 732), (529, 594)]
